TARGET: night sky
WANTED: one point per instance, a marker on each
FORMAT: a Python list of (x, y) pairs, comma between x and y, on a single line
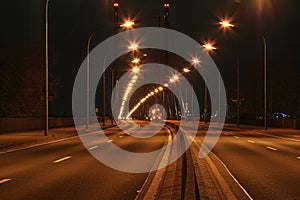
[(72, 22)]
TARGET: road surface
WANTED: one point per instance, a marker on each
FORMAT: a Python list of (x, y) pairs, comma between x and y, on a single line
[(66, 170), (266, 166)]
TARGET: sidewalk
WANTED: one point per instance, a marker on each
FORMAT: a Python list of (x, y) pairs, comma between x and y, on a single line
[(18, 140)]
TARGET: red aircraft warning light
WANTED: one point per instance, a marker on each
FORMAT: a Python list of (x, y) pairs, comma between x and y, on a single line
[(116, 4), (166, 5)]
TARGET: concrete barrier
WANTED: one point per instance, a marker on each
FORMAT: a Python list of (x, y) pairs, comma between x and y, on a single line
[(26, 124)]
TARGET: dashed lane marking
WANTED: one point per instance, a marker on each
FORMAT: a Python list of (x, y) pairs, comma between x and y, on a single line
[(62, 159), (236, 137), (94, 147), (5, 180), (298, 157), (271, 148), (251, 141), (110, 140)]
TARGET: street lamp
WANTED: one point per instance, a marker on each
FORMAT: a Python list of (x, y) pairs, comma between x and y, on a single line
[(133, 46), (127, 24), (226, 24), (265, 82), (136, 60), (209, 47), (186, 71)]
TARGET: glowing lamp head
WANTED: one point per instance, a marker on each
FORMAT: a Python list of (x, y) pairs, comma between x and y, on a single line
[(135, 70), (226, 24), (186, 70), (166, 5)]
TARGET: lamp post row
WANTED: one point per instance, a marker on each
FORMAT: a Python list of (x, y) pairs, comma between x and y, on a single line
[(116, 6)]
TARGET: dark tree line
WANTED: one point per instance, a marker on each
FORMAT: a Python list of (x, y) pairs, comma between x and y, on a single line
[(22, 80)]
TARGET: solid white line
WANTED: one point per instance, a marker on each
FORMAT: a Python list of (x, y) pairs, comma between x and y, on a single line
[(94, 147), (275, 136), (62, 159), (5, 180), (226, 168), (237, 182), (271, 148), (236, 137), (251, 141)]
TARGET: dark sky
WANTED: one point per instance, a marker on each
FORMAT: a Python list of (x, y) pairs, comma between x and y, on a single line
[(71, 23)]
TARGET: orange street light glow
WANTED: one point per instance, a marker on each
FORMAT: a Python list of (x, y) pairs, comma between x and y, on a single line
[(209, 47), (186, 70), (133, 46), (135, 70), (127, 24), (175, 77), (195, 61), (136, 60), (226, 24)]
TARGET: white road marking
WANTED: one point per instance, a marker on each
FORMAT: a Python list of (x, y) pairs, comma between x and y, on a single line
[(251, 141), (94, 147), (62, 159), (271, 148), (225, 133), (275, 136), (236, 137), (110, 140), (121, 136), (5, 180), (226, 168), (298, 157)]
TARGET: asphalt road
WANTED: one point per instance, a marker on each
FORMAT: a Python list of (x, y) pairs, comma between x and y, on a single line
[(266, 166), (66, 170)]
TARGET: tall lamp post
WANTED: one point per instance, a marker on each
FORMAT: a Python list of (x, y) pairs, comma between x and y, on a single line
[(46, 72), (226, 24), (209, 47), (265, 82)]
